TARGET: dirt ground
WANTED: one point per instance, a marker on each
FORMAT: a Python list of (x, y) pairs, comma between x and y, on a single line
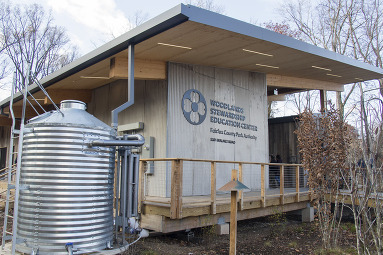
[(270, 235), (274, 235)]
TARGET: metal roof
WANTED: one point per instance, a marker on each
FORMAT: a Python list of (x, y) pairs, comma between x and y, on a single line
[(215, 40)]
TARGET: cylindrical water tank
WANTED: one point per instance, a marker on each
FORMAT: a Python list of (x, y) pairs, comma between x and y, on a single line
[(66, 187)]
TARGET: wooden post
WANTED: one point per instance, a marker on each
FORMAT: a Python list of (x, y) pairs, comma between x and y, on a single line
[(263, 193), (233, 215), (233, 223), (176, 190), (141, 191), (323, 101), (234, 175), (213, 178), (282, 184), (240, 195), (297, 183), (234, 186)]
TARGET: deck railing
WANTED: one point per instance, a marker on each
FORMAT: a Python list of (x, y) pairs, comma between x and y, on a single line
[(290, 181)]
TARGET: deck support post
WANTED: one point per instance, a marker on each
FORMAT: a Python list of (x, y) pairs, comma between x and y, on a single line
[(308, 213), (176, 189), (213, 178)]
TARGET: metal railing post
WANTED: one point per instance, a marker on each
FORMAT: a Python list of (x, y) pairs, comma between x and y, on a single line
[(282, 184)]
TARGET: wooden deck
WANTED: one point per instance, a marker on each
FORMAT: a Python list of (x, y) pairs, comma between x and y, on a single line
[(177, 212)]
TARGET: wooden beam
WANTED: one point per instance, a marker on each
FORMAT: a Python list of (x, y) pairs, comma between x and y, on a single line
[(57, 95), (301, 83), (213, 183), (276, 98), (143, 69), (168, 225)]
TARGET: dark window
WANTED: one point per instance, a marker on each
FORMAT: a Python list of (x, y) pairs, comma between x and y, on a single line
[(3, 157)]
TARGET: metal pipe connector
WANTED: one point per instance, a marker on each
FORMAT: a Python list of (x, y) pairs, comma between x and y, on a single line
[(133, 140)]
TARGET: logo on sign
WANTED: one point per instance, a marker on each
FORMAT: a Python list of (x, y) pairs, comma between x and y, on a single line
[(194, 106)]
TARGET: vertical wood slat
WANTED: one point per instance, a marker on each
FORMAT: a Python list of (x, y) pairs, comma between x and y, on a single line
[(213, 179), (263, 193), (297, 182), (282, 184), (240, 173), (176, 189), (141, 191)]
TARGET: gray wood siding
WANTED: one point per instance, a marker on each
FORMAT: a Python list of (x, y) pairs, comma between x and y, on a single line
[(239, 88), (150, 107)]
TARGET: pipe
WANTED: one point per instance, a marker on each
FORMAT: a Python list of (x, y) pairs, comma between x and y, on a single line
[(133, 140), (130, 101)]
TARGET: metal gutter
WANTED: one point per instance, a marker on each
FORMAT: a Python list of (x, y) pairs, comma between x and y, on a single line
[(230, 24)]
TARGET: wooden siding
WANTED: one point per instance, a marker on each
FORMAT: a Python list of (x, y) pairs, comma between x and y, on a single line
[(150, 107), (234, 87), (282, 139)]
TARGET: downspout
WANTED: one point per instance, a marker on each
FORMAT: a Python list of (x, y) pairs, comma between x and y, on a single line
[(130, 101)]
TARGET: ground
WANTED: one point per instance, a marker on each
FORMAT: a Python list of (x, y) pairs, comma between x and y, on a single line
[(277, 234), (273, 235)]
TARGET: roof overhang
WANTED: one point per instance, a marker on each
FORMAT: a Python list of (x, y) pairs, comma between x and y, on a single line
[(211, 39)]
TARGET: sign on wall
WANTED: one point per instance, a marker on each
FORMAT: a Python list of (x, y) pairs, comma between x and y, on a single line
[(224, 115)]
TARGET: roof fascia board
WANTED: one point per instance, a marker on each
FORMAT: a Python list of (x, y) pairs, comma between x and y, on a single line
[(158, 24), (227, 23)]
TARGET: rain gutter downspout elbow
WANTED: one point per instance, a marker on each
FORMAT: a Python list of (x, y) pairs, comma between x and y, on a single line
[(130, 101)]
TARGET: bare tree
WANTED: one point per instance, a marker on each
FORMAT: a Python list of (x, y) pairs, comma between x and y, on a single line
[(329, 24), (303, 101), (208, 5), (364, 179), (30, 39)]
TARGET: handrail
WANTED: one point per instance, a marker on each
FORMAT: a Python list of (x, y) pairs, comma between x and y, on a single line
[(176, 182), (221, 161), (5, 170)]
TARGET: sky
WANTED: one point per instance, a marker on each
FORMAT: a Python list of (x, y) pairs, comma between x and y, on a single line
[(91, 23)]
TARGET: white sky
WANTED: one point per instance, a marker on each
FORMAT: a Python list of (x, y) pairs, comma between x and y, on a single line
[(91, 23)]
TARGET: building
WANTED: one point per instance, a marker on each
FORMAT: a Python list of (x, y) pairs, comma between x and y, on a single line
[(200, 90)]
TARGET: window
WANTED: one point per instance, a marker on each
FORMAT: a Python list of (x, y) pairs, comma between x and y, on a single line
[(3, 157)]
